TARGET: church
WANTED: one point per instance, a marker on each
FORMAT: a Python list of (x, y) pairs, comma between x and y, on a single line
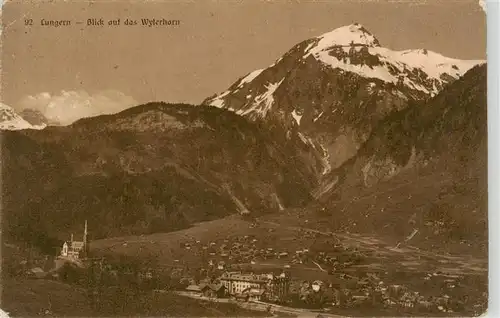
[(76, 249)]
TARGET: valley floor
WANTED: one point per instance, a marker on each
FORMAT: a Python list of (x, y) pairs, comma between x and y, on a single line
[(257, 245)]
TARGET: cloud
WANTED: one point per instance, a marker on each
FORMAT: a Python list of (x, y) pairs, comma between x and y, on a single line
[(69, 106), (482, 4)]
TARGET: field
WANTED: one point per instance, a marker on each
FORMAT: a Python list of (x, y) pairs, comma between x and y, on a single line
[(193, 245), (28, 298)]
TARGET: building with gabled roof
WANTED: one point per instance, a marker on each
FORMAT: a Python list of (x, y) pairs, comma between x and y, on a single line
[(273, 287), (255, 294), (208, 290), (76, 249), (194, 289)]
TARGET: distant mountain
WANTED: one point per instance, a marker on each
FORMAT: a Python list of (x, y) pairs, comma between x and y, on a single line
[(155, 167), (36, 117), (10, 120), (332, 90)]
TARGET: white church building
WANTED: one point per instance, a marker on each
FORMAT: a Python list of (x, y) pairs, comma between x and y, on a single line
[(76, 249)]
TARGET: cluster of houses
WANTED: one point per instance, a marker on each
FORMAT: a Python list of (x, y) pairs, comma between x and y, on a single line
[(247, 250), (369, 291), (372, 291), (246, 286), (236, 250)]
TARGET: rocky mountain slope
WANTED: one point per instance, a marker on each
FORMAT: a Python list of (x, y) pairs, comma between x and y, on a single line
[(10, 120), (36, 118), (332, 90), (155, 167), (451, 127), (422, 168)]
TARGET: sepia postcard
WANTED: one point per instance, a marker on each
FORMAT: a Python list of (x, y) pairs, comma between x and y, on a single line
[(244, 158)]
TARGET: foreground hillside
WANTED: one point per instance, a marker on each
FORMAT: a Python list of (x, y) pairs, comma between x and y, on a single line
[(155, 167), (30, 298)]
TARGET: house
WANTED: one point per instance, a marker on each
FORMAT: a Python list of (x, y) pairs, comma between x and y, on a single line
[(146, 274), (359, 299), (254, 294), (36, 272), (316, 285), (213, 290), (76, 249), (241, 297), (236, 282), (194, 289), (275, 287), (72, 248), (407, 303)]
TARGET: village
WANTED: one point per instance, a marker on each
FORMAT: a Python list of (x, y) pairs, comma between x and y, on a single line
[(326, 276), (233, 271)]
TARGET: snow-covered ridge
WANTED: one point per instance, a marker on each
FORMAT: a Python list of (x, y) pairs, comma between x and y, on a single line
[(354, 49), (393, 66), (354, 33), (250, 77), (396, 66), (10, 120), (435, 64), (218, 101)]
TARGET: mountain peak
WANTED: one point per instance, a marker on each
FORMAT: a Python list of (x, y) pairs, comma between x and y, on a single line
[(350, 34), (10, 120), (350, 49)]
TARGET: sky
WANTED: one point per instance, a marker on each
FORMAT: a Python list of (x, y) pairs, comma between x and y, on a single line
[(78, 70)]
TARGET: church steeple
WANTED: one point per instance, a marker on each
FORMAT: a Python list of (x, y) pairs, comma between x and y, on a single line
[(85, 233), (85, 240)]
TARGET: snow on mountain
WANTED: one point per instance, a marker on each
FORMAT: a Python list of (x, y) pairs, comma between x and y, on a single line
[(334, 88), (354, 33), (264, 101), (250, 77), (354, 49), (297, 117), (10, 120), (336, 49)]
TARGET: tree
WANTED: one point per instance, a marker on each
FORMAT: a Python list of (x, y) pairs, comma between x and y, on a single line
[(70, 274), (313, 299)]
